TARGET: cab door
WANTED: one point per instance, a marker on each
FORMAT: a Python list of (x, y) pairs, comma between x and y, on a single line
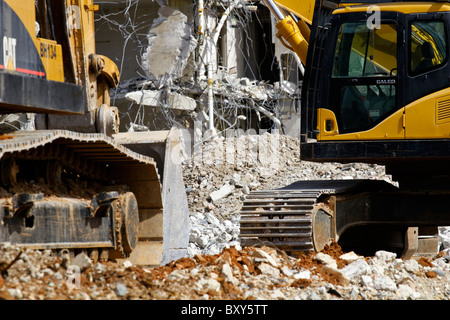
[(364, 82)]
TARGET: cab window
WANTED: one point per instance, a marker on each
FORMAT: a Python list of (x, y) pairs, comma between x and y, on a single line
[(428, 48), (364, 52)]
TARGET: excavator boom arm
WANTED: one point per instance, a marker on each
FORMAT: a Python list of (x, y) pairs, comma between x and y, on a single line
[(293, 21)]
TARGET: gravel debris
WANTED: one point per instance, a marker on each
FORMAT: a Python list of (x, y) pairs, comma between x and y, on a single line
[(233, 274)]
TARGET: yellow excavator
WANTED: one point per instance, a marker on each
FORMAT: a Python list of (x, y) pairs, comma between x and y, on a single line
[(75, 183), (376, 89)]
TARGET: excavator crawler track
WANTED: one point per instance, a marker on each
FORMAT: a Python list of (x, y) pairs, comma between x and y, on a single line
[(279, 217), (308, 215), (297, 218)]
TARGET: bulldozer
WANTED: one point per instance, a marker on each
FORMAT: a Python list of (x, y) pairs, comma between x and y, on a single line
[(375, 90), (74, 183)]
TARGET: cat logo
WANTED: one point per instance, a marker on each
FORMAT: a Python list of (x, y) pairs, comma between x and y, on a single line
[(9, 53)]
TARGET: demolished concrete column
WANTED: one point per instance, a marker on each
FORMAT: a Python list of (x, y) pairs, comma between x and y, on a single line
[(165, 61), (169, 46)]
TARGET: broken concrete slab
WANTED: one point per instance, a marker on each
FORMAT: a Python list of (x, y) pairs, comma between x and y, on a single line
[(259, 253), (223, 192), (154, 98)]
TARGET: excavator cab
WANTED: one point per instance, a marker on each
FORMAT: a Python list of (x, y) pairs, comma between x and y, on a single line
[(379, 81)]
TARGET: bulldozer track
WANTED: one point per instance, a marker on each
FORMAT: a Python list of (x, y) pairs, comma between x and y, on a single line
[(94, 147), (98, 222)]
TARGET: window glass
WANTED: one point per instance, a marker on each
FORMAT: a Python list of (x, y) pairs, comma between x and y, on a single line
[(428, 48), (363, 105), (365, 52)]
